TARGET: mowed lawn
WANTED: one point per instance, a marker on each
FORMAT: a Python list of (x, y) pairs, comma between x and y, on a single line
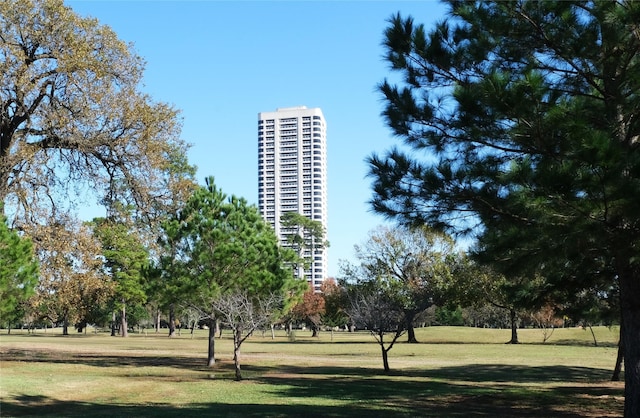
[(452, 372)]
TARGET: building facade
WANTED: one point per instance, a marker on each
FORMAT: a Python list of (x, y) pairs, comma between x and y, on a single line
[(292, 174)]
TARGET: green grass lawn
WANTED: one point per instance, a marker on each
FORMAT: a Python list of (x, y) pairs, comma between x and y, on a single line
[(452, 372)]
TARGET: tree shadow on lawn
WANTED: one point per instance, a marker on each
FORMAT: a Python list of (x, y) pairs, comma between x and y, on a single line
[(101, 360), (474, 390), (379, 400), (468, 373), (461, 391), (520, 374), (39, 406)]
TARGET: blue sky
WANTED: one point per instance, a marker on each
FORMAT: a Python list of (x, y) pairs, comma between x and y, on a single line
[(222, 62)]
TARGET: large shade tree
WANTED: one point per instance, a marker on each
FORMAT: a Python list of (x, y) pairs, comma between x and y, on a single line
[(75, 129), (521, 122)]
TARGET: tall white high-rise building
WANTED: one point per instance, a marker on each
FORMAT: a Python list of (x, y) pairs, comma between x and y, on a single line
[(292, 173)]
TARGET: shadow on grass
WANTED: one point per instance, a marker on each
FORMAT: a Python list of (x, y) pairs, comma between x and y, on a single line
[(520, 374), (38, 406), (467, 373), (101, 360), (359, 397), (457, 391)]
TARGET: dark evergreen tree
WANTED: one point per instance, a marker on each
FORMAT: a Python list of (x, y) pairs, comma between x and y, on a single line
[(18, 273), (522, 125)]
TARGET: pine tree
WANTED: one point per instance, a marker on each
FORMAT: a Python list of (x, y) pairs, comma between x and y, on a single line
[(18, 273), (521, 125)]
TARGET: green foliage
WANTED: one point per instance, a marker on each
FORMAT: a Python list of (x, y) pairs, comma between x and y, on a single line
[(225, 245), (448, 316), (305, 237), (221, 257), (416, 264), (126, 259), (520, 123), (18, 272), (528, 142), (335, 304), (302, 232)]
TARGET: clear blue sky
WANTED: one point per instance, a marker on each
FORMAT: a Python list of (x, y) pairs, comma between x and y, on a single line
[(222, 62)]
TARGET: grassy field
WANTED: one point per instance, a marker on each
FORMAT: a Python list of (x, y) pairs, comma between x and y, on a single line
[(452, 372)]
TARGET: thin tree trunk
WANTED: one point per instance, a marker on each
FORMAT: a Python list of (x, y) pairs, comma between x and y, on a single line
[(273, 332), (212, 343), (113, 323), (172, 322), (158, 321), (593, 335), (618, 367), (514, 328), (385, 353), (411, 332), (65, 323), (123, 322), (237, 335)]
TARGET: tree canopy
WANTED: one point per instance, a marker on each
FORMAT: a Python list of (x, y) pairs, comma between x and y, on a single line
[(417, 260), (521, 125), (223, 246), (306, 237), (74, 124)]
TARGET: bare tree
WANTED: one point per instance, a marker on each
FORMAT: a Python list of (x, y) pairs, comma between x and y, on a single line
[(376, 305), (245, 314)]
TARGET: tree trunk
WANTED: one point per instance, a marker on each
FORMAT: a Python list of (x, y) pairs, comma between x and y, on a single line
[(172, 321), (124, 331), (385, 360), (237, 335), (629, 281), (113, 323), (212, 343), (618, 367), (158, 321), (65, 323), (514, 328), (593, 335), (385, 353), (314, 330), (411, 332), (273, 332)]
